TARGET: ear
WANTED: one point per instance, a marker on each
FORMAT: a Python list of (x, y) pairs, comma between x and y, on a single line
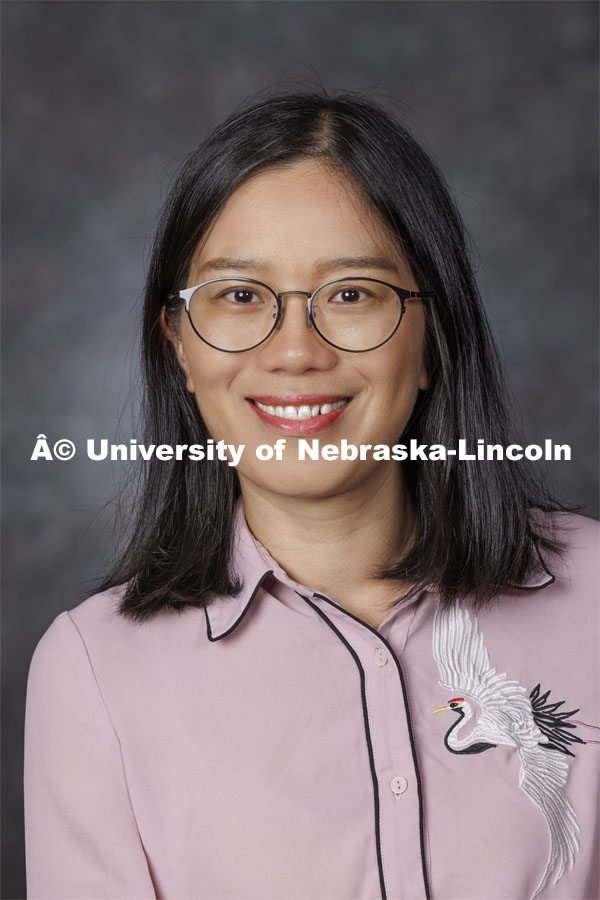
[(177, 343), (423, 378)]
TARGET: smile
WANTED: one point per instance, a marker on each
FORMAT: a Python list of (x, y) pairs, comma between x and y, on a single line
[(301, 412)]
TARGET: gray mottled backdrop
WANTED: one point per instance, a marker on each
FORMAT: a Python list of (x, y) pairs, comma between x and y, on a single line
[(101, 99)]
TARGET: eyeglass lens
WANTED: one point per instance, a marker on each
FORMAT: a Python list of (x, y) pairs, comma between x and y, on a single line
[(353, 314)]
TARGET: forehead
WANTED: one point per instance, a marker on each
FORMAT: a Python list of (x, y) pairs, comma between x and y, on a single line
[(297, 216)]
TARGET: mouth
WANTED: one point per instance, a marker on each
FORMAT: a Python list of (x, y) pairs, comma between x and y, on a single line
[(300, 414)]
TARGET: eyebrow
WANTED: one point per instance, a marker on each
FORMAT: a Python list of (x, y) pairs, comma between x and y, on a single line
[(322, 266)]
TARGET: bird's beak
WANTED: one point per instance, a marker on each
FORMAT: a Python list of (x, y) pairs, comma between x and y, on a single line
[(441, 709)]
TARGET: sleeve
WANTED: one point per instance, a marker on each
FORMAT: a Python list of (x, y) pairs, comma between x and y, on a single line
[(82, 839)]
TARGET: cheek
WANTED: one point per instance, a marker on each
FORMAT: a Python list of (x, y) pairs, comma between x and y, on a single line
[(400, 371), (208, 379)]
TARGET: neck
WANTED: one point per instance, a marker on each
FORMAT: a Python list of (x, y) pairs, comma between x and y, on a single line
[(337, 545)]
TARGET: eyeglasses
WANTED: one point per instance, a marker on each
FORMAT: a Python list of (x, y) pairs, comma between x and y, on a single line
[(351, 314)]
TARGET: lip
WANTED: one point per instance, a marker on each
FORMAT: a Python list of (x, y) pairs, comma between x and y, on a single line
[(299, 427), (297, 399)]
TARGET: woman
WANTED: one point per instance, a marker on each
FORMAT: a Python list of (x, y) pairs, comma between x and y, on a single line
[(245, 710)]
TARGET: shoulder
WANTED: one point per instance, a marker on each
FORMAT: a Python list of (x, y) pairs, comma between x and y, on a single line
[(95, 642), (564, 613), (61, 658), (64, 649), (64, 635), (93, 666), (99, 617), (560, 606)]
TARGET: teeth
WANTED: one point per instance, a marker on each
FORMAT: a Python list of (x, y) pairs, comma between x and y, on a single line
[(301, 412)]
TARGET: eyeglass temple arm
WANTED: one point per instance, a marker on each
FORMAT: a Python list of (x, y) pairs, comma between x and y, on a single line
[(184, 294)]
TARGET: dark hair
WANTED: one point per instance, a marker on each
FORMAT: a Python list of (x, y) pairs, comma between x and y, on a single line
[(475, 536)]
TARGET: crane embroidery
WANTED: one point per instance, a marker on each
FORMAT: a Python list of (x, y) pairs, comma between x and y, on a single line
[(540, 734)]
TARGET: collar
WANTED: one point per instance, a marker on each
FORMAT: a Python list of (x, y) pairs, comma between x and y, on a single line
[(541, 576), (254, 566)]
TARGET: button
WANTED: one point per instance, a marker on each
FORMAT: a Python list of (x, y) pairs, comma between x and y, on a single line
[(380, 657), (398, 785)]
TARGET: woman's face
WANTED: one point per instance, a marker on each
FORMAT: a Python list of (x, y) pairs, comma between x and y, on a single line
[(295, 228)]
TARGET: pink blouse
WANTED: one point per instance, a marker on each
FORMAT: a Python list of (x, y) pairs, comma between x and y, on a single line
[(274, 746)]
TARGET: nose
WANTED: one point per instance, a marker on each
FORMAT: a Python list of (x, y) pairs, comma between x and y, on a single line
[(282, 308), (295, 346)]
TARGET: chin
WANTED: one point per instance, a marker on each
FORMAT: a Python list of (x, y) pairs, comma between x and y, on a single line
[(312, 480)]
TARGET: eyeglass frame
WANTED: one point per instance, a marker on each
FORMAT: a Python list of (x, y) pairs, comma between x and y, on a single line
[(403, 295)]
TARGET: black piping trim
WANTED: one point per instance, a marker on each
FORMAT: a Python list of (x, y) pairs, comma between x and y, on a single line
[(367, 734), (410, 730), (536, 587), (241, 615)]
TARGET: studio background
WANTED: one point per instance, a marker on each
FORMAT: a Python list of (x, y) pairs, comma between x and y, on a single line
[(101, 102)]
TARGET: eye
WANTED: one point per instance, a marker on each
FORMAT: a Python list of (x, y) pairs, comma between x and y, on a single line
[(348, 295), (242, 296)]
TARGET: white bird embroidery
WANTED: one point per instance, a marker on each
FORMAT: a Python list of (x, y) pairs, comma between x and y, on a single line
[(506, 717)]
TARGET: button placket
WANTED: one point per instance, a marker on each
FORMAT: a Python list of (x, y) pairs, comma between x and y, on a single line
[(389, 742)]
